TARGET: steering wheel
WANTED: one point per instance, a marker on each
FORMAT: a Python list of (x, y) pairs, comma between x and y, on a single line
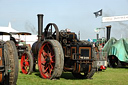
[(50, 33)]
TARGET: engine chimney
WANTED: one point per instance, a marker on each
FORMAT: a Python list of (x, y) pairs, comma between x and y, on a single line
[(108, 32), (97, 35), (40, 26)]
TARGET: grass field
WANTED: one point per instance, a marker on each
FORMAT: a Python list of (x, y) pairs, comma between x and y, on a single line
[(110, 76)]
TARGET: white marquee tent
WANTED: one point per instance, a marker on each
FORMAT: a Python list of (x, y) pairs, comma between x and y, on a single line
[(30, 39), (7, 29)]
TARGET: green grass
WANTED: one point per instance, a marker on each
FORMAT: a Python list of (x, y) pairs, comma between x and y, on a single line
[(110, 76)]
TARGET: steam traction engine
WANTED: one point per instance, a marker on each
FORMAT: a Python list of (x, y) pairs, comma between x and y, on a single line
[(8, 62), (24, 52), (57, 50)]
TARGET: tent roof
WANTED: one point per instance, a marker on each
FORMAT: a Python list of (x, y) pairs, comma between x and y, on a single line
[(7, 29)]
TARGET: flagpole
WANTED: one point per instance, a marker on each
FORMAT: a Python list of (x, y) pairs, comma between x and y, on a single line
[(99, 13), (102, 23)]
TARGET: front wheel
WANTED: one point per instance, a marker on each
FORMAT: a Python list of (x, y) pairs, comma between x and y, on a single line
[(84, 75)]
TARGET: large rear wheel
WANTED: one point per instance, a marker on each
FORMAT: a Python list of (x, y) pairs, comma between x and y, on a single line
[(50, 59), (14, 64)]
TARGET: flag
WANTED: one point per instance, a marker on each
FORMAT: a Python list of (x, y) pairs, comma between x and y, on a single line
[(98, 13)]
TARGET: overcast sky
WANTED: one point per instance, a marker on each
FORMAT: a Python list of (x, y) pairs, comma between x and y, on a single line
[(76, 15)]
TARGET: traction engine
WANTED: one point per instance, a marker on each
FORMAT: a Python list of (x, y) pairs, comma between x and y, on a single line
[(56, 51), (8, 62), (24, 52)]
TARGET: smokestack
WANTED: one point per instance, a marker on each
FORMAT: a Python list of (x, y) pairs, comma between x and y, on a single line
[(40, 26), (108, 32), (97, 35)]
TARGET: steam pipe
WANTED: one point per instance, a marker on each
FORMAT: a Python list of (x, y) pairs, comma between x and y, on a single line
[(108, 32), (40, 26)]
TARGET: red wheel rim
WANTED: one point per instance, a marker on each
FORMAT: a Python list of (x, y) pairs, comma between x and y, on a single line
[(25, 63), (46, 60)]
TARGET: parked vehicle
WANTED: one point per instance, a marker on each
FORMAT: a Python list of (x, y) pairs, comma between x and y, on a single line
[(8, 62), (57, 50), (117, 52), (23, 50)]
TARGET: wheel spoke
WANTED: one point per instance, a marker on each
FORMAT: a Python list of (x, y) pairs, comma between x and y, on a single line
[(51, 66), (26, 70), (44, 53), (48, 47), (43, 60), (52, 61), (45, 71), (51, 57), (42, 56), (49, 69), (26, 63), (43, 63)]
